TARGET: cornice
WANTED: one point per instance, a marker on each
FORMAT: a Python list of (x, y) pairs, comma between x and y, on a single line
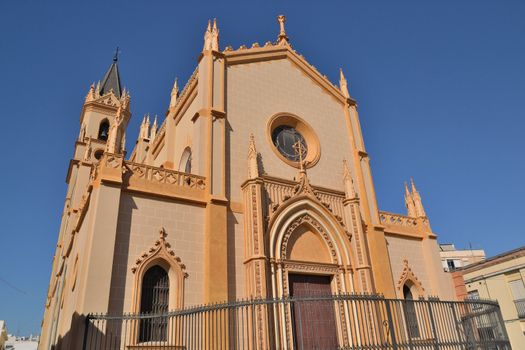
[(495, 260)]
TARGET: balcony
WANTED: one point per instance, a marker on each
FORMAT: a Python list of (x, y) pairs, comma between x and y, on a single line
[(520, 306), (340, 322)]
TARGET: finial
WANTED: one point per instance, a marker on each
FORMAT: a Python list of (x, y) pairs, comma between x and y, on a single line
[(174, 93), (300, 151), (343, 85), (413, 185), (348, 181), (409, 203), (207, 37), (162, 234), (215, 36), (153, 131), (282, 38), (115, 57), (253, 166)]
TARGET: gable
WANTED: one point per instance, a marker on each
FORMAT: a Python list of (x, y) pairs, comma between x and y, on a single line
[(265, 54), (258, 91)]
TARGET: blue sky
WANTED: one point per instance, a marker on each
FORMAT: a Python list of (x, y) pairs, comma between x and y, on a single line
[(440, 87)]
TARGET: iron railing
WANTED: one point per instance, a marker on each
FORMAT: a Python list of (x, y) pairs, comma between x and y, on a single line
[(356, 322), (520, 307)]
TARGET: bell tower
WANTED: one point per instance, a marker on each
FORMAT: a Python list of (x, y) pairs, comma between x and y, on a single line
[(103, 121), (106, 104)]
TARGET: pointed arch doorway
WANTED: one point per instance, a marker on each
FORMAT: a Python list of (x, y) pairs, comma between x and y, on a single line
[(314, 322)]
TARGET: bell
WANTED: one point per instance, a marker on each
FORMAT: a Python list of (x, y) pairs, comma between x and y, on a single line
[(103, 134)]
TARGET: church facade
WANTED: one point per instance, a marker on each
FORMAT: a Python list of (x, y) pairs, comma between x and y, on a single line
[(256, 184)]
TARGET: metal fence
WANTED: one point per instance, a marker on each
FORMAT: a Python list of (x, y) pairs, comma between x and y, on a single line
[(320, 322)]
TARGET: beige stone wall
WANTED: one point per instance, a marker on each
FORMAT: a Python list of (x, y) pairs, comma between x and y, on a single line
[(400, 249), (140, 219), (187, 134), (492, 282), (92, 120), (236, 251), (256, 92)]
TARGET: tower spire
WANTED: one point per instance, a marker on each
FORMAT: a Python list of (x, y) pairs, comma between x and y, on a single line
[(282, 38), (174, 93), (215, 36), (418, 204), (409, 202), (211, 37), (343, 85), (111, 81), (115, 57)]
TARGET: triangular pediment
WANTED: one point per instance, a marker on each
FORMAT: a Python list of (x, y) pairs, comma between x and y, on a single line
[(284, 52), (109, 99)]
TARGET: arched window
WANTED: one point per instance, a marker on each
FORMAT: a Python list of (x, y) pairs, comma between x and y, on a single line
[(185, 161), (154, 300), (410, 312), (103, 130)]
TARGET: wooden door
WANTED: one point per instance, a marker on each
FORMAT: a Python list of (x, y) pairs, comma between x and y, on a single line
[(313, 321)]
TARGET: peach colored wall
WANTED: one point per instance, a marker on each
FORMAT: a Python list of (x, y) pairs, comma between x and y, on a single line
[(187, 134), (236, 269), (256, 92), (140, 219), (92, 120), (400, 249)]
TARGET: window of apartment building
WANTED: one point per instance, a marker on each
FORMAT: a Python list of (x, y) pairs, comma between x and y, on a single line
[(518, 289), (518, 292), (473, 295), (450, 264)]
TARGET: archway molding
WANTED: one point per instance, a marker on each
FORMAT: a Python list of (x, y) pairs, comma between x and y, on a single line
[(161, 254), (305, 210), (409, 278)]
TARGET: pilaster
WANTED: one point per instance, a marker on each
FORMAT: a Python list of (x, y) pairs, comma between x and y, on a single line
[(105, 201), (373, 232), (211, 97)]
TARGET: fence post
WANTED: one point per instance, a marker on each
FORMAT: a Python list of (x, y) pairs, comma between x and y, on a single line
[(391, 325), (456, 322), (502, 326), (86, 324), (300, 336), (432, 322)]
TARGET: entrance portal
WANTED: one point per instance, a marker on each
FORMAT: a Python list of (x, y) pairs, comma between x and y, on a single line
[(313, 321)]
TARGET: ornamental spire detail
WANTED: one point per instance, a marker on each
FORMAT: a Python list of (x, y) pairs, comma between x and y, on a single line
[(211, 37), (348, 181), (343, 85), (253, 167), (282, 39), (174, 93)]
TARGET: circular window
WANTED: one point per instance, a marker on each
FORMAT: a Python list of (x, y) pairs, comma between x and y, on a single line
[(292, 140), (98, 154), (289, 142)]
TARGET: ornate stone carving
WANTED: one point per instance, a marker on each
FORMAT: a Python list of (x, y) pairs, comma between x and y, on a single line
[(306, 218), (161, 248), (408, 275)]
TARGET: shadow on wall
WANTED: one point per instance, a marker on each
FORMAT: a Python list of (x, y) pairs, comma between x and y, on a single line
[(98, 335), (121, 255), (73, 339)]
